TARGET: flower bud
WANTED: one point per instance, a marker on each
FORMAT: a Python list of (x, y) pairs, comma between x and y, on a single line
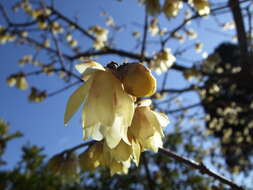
[(137, 80)]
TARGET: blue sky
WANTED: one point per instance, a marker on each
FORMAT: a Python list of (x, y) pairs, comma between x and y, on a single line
[(42, 123)]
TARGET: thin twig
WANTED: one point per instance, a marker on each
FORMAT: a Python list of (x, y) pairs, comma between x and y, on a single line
[(201, 167), (69, 21), (70, 150), (145, 32)]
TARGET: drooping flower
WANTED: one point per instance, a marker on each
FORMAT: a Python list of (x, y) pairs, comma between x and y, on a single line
[(108, 109), (145, 133), (172, 7), (162, 61), (147, 127), (99, 154)]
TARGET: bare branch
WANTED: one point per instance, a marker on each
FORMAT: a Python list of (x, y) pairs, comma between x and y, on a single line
[(201, 167), (69, 21)]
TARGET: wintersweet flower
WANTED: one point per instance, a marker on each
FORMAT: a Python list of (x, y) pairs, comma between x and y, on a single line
[(108, 109), (99, 154), (172, 7), (147, 127)]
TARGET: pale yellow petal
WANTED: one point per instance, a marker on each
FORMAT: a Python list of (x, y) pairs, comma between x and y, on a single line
[(153, 143), (121, 152), (89, 68), (82, 67), (162, 119), (75, 101), (101, 97), (112, 134), (136, 151)]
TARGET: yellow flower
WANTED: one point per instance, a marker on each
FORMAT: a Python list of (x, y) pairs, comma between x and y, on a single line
[(137, 80), (92, 158), (147, 127), (64, 166), (99, 154), (172, 7), (108, 109)]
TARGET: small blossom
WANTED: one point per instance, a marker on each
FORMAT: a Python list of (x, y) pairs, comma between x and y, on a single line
[(172, 7), (136, 34), (198, 47), (162, 61), (147, 128), (179, 37), (36, 95), (191, 34), (153, 27), (101, 36), (202, 6)]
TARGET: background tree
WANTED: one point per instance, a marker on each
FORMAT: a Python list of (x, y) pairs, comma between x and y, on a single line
[(219, 83)]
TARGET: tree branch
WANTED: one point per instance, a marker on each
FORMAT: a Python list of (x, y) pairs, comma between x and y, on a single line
[(201, 167)]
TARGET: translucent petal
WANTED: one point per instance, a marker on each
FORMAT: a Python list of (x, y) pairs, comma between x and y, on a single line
[(75, 100), (92, 158), (92, 132), (136, 151), (89, 68), (112, 134), (153, 143), (101, 97), (121, 152), (162, 119), (141, 126), (82, 67)]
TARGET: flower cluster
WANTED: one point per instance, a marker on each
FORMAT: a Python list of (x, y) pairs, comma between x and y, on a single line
[(122, 125)]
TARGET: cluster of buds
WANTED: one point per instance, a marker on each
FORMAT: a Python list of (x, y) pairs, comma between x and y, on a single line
[(18, 80), (6, 36), (36, 95), (113, 115)]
